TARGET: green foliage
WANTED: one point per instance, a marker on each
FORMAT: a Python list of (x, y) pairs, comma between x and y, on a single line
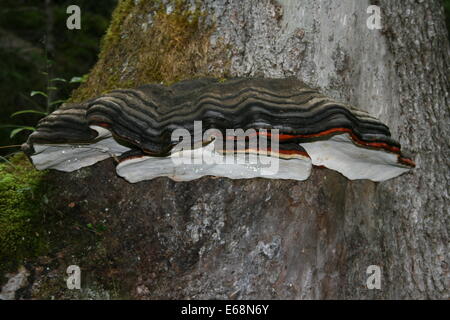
[(28, 111), (34, 93), (79, 79), (18, 130), (22, 202), (50, 105), (24, 26)]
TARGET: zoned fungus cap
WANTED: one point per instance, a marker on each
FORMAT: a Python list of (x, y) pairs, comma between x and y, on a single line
[(137, 126)]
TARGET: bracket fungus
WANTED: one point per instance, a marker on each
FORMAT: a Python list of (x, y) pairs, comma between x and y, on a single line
[(189, 130)]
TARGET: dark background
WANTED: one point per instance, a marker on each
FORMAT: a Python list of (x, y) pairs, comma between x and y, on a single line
[(36, 46)]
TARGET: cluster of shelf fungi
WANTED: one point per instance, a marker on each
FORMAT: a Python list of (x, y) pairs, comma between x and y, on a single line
[(288, 128)]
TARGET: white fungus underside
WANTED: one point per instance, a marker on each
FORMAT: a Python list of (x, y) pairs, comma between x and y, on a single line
[(338, 153), (71, 157), (146, 168), (341, 154)]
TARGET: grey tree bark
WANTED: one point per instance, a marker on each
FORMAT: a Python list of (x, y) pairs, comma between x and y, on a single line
[(399, 74), (220, 238)]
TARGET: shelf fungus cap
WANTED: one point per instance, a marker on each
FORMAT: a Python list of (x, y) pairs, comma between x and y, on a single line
[(294, 127), (64, 141)]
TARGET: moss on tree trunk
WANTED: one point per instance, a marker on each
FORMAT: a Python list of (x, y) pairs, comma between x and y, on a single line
[(155, 42)]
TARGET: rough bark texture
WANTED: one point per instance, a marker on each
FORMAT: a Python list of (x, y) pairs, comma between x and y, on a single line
[(220, 238)]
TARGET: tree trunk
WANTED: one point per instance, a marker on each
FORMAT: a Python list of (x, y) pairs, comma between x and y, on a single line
[(246, 239)]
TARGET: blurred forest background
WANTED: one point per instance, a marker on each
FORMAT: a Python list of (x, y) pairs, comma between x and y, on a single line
[(38, 52)]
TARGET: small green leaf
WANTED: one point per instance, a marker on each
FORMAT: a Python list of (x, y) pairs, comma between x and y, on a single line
[(33, 93), (78, 79), (52, 88), (58, 79), (17, 130), (28, 111)]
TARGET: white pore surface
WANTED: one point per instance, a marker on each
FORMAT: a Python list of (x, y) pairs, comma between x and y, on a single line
[(193, 164), (341, 154), (70, 157)]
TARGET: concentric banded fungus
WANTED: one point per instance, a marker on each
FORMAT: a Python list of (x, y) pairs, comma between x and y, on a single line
[(64, 141), (138, 126)]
